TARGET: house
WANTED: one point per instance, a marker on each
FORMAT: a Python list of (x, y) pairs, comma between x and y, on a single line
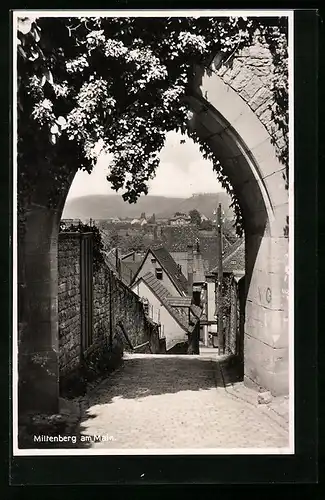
[(130, 264), (233, 260), (65, 223), (135, 222), (124, 267), (133, 256), (176, 240), (178, 317), (159, 262), (196, 276), (234, 269), (180, 220)]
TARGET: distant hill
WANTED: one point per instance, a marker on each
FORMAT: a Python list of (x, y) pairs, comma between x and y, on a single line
[(205, 203), (106, 206)]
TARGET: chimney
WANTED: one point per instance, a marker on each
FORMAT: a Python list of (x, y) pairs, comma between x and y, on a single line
[(190, 269)]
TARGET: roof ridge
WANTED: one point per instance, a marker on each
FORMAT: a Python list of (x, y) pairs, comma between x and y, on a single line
[(233, 248)]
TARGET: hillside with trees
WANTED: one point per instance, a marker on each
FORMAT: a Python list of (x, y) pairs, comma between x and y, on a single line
[(107, 206)]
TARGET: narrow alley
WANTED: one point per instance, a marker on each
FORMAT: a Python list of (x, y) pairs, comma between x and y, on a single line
[(176, 401)]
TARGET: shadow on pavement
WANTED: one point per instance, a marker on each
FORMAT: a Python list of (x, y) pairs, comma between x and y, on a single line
[(149, 376), (140, 377)]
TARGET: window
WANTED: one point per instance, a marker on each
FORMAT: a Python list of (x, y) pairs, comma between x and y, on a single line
[(145, 303), (153, 261), (159, 273)]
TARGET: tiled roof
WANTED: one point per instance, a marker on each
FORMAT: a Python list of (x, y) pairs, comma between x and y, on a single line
[(234, 258), (134, 256), (130, 267), (126, 272), (180, 314), (176, 239), (170, 266), (179, 301), (232, 248), (156, 286), (127, 255)]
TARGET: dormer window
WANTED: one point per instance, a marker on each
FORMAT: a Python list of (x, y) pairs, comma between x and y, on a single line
[(159, 273)]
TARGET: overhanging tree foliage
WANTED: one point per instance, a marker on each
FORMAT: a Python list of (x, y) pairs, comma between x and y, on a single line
[(121, 82)]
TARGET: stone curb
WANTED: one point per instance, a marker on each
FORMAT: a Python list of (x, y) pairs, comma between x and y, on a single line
[(249, 398)]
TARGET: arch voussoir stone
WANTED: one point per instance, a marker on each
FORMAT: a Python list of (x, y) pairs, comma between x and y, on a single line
[(243, 144)]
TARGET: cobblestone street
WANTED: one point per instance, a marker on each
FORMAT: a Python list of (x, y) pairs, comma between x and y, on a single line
[(177, 401)]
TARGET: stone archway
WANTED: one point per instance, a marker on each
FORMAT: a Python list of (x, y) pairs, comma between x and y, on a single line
[(225, 118), (240, 138)]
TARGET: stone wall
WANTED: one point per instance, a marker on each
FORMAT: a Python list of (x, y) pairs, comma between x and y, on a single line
[(231, 325), (69, 301), (101, 305), (128, 310), (113, 304)]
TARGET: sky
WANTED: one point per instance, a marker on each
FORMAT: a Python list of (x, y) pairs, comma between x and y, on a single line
[(182, 172)]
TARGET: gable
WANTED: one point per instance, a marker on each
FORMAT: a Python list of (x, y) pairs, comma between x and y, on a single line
[(170, 266), (172, 279)]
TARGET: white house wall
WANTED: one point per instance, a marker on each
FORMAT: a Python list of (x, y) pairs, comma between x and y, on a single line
[(211, 301), (148, 266), (173, 332)]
